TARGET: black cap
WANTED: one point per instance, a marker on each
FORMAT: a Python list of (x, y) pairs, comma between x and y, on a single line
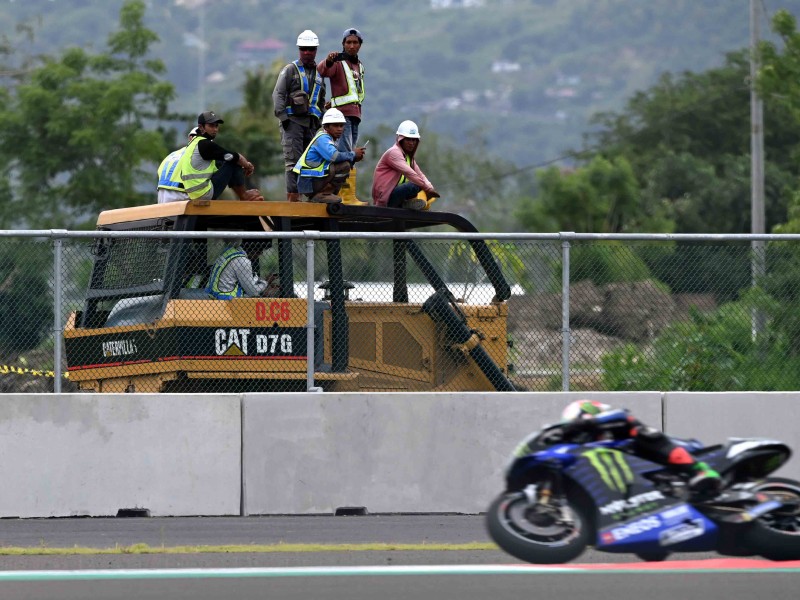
[(208, 117)]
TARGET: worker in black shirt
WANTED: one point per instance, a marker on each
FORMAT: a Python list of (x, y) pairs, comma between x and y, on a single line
[(206, 168)]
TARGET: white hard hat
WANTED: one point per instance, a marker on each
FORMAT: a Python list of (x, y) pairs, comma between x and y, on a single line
[(408, 129), (333, 115), (307, 38)]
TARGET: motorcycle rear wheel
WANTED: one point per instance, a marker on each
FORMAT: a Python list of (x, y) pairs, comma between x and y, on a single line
[(517, 528), (776, 536)]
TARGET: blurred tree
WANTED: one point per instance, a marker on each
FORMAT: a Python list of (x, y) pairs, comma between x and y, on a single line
[(26, 303), (602, 197), (687, 140), (252, 129), (74, 134)]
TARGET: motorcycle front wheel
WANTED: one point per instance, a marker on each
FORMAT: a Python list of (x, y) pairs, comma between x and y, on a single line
[(537, 534), (776, 535)]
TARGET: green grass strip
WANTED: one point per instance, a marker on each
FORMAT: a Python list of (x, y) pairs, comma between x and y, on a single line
[(247, 548)]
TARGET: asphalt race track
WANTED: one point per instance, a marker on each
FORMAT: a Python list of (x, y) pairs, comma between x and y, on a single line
[(343, 569)]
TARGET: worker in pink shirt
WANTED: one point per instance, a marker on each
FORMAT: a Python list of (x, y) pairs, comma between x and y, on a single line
[(398, 179)]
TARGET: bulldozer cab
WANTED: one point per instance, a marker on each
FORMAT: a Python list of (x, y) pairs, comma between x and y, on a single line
[(148, 324)]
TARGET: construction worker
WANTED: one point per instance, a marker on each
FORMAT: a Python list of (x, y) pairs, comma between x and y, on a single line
[(323, 168), (398, 180), (170, 186), (206, 168), (233, 276), (299, 101), (346, 74)]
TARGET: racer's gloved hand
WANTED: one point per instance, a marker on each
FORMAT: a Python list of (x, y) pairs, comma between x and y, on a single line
[(579, 431), (552, 436)]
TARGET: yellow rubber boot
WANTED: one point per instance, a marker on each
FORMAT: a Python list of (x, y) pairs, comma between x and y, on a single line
[(423, 195), (348, 190)]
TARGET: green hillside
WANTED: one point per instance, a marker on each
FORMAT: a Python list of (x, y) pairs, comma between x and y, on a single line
[(525, 74)]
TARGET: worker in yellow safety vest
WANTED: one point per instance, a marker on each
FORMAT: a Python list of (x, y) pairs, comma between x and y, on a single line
[(206, 168), (323, 168), (346, 74), (170, 185)]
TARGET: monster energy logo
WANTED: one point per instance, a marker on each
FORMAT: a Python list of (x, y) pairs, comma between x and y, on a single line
[(612, 468)]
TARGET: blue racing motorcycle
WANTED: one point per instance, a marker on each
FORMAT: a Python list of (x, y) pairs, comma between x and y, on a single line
[(562, 497)]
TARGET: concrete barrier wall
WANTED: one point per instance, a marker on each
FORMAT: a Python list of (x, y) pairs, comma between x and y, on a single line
[(91, 454), (714, 417), (313, 453)]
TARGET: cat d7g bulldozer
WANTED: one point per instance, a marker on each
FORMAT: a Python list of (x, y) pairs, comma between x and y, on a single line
[(148, 325)]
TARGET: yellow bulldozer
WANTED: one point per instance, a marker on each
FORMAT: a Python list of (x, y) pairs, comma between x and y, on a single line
[(147, 324)]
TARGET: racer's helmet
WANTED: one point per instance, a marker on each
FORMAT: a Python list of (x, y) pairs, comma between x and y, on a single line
[(583, 409)]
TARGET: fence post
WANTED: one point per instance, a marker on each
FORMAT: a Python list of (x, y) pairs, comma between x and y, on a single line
[(565, 333), (57, 302), (310, 358)]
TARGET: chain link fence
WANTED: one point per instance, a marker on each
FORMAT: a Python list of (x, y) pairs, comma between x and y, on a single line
[(420, 312)]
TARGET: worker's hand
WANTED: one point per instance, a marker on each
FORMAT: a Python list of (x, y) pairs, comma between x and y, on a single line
[(253, 195), (247, 166), (359, 153), (331, 58), (327, 105)]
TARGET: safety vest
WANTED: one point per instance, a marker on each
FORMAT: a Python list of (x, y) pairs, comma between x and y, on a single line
[(168, 178), (303, 169), (355, 94), (195, 183), (403, 178), (313, 95), (213, 281)]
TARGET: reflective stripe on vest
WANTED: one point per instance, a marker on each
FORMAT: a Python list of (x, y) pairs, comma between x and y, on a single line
[(355, 94), (304, 169), (168, 178), (213, 281), (403, 178), (313, 95), (195, 183)]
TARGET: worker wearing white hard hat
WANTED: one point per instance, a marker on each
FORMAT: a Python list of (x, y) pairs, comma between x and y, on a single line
[(323, 168), (399, 182), (299, 100)]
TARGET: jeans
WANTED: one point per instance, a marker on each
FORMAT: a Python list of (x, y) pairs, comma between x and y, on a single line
[(227, 174), (349, 138), (403, 192)]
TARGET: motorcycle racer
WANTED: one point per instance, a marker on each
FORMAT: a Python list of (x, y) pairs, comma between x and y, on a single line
[(584, 421)]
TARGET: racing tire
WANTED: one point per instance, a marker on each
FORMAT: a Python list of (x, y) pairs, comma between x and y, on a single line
[(776, 536), (654, 556), (509, 523)]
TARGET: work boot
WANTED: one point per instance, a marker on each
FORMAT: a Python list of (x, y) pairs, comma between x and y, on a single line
[(704, 481), (326, 198), (348, 191), (292, 197), (415, 204)]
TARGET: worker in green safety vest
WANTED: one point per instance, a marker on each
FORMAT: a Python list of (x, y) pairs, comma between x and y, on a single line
[(206, 168), (323, 168)]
